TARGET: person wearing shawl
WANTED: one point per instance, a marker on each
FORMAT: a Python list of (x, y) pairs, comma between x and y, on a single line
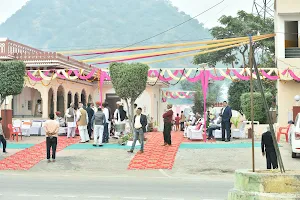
[(168, 117)]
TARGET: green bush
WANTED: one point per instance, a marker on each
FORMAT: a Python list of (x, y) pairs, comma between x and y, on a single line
[(12, 75), (258, 106)]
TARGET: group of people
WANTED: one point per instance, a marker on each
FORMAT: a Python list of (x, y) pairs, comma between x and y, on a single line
[(214, 122), (223, 122), (94, 120), (97, 120)]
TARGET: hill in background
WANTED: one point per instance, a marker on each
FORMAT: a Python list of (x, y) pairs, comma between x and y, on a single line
[(59, 25), (87, 24)]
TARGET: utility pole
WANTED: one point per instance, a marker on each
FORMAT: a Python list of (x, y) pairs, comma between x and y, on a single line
[(251, 103), (252, 64), (263, 8)]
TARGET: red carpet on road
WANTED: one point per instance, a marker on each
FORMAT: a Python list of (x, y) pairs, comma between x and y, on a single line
[(156, 156), (27, 158)]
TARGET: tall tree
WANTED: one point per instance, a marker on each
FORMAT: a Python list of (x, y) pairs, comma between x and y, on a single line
[(12, 75), (240, 26), (129, 81), (235, 92)]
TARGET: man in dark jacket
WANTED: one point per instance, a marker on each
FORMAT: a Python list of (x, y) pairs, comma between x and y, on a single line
[(268, 149), (139, 124), (226, 115), (168, 117), (2, 137), (90, 113)]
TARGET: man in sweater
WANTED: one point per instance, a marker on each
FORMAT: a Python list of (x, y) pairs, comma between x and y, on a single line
[(168, 117), (139, 124), (100, 121), (2, 138), (71, 121), (51, 128), (268, 149), (82, 121)]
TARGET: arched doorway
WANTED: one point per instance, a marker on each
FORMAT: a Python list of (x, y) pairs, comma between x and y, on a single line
[(60, 104), (50, 101), (25, 104), (69, 98), (83, 97), (76, 100)]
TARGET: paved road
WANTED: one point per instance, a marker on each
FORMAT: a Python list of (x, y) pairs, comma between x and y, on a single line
[(33, 187)]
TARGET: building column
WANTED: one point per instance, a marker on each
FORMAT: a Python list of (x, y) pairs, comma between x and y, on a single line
[(55, 101), (66, 101), (45, 102)]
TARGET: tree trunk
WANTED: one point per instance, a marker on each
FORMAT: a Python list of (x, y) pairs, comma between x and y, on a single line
[(130, 113), (2, 101)]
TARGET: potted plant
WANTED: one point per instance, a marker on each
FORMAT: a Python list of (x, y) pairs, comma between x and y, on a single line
[(235, 121), (124, 139)]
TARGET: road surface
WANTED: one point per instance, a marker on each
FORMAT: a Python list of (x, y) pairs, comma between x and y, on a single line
[(46, 187)]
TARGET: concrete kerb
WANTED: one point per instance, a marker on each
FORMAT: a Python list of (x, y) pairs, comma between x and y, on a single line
[(265, 185)]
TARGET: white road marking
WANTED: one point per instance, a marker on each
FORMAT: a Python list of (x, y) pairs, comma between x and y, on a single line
[(100, 197), (164, 173), (29, 195), (172, 199), (67, 196), (134, 198)]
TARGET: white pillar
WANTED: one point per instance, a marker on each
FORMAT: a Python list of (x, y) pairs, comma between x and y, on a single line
[(55, 101), (45, 103)]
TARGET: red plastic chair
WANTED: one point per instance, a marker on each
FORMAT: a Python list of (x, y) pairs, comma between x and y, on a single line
[(14, 131), (284, 131)]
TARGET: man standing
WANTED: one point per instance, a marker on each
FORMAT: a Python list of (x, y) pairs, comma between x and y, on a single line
[(82, 121), (182, 120), (268, 149), (100, 121), (168, 115), (2, 139), (226, 115), (139, 124), (116, 114), (90, 113), (51, 128), (106, 112), (71, 121)]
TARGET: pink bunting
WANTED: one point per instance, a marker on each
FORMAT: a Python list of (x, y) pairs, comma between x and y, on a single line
[(62, 76), (32, 77), (265, 74), (293, 75), (90, 75), (237, 74)]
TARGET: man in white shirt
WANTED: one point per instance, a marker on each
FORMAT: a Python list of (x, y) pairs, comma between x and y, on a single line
[(117, 118), (71, 121), (139, 123)]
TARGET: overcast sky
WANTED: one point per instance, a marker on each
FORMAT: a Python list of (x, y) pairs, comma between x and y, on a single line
[(191, 7)]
